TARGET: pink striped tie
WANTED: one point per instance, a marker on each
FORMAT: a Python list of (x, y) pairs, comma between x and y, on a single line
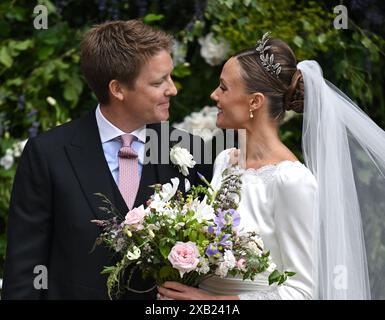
[(128, 171)]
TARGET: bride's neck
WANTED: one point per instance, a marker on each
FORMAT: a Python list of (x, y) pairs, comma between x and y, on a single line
[(263, 146)]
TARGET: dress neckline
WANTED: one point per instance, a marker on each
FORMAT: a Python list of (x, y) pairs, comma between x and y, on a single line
[(270, 166)]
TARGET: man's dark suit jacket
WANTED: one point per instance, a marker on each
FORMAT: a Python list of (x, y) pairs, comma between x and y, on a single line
[(53, 202)]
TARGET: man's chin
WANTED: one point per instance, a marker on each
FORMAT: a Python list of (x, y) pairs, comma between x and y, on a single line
[(160, 117), (163, 116)]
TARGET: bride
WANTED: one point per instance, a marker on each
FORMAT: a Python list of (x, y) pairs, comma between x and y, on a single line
[(310, 217)]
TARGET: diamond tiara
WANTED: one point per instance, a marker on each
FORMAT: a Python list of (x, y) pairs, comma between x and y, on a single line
[(266, 59)]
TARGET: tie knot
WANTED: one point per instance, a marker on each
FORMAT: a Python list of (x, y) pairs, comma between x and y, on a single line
[(126, 151)]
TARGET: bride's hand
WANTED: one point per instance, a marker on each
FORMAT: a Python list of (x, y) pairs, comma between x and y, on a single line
[(178, 291)]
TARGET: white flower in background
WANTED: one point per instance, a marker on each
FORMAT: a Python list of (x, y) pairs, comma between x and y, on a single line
[(11, 154), (51, 101), (134, 254), (214, 51), (168, 190), (202, 123), (7, 160), (183, 159), (18, 148), (179, 51)]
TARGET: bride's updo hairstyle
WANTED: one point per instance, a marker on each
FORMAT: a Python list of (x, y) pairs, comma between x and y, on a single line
[(283, 86)]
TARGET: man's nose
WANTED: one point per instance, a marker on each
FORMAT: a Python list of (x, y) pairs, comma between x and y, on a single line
[(172, 90)]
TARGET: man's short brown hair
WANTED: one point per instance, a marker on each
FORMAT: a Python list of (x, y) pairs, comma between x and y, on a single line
[(117, 50)]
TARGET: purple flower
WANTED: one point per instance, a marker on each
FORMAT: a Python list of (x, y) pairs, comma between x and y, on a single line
[(201, 176), (224, 241), (220, 220), (211, 249), (228, 217), (236, 218)]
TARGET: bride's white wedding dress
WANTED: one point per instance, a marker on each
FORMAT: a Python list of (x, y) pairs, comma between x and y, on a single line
[(278, 201)]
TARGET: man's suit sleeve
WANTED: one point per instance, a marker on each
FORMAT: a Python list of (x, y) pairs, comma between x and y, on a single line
[(29, 225)]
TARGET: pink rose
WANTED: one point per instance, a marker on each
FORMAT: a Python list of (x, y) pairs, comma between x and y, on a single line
[(184, 257), (241, 264), (135, 216)]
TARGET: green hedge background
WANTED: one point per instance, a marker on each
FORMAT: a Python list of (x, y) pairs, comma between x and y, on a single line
[(38, 65)]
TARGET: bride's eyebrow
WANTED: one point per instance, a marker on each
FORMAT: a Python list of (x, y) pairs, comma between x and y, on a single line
[(222, 81)]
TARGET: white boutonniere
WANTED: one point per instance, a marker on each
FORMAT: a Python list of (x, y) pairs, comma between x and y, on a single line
[(182, 158)]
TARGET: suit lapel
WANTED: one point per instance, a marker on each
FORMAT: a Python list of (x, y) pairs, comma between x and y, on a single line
[(86, 156)]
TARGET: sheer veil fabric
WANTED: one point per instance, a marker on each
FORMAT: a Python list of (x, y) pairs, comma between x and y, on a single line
[(345, 150)]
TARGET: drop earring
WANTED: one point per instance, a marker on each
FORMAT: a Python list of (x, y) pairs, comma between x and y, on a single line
[(251, 114)]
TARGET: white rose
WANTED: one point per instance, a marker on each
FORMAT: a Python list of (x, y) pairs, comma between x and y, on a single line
[(182, 158)]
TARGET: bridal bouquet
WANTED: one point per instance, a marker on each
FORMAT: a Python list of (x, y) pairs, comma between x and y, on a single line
[(184, 238)]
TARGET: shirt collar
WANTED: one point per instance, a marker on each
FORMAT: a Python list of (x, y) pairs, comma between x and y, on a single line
[(108, 131)]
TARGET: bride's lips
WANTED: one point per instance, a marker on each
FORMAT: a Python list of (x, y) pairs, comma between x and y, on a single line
[(219, 110)]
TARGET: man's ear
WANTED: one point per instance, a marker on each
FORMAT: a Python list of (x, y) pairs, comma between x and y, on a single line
[(256, 101), (116, 89)]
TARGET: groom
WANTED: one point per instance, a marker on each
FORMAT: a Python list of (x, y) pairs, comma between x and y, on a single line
[(128, 66)]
